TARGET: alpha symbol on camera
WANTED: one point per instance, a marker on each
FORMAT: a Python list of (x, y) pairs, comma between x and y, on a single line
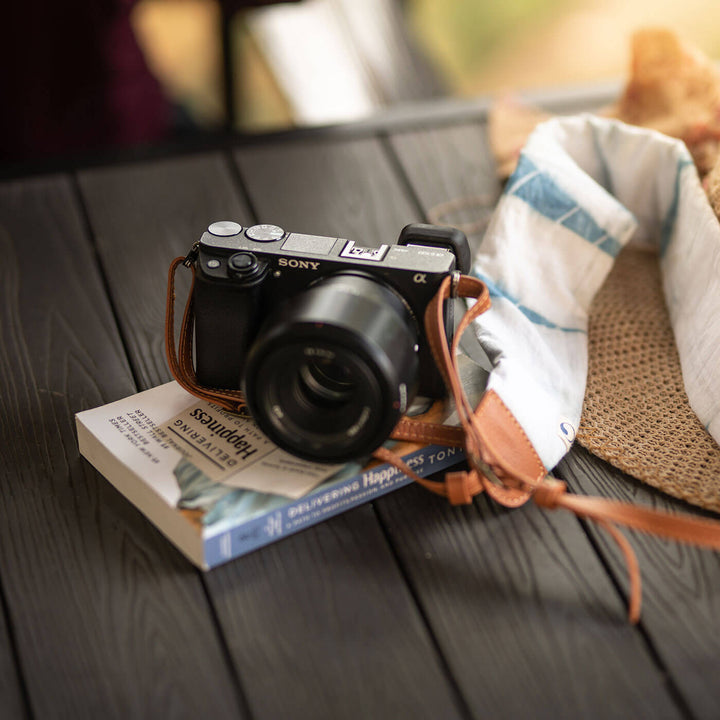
[(420, 278)]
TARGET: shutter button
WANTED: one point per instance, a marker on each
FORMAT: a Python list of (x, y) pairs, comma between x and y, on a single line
[(225, 228)]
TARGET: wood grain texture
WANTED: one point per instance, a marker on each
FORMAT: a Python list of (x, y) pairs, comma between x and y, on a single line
[(535, 621), (447, 165), (681, 584), (337, 633), (12, 701), (342, 188), (108, 618), (290, 612), (142, 216), (523, 611)]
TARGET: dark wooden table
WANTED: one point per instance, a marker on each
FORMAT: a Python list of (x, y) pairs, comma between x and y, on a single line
[(405, 607)]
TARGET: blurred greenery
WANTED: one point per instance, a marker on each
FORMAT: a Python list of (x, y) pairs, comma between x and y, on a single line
[(462, 34), (481, 47)]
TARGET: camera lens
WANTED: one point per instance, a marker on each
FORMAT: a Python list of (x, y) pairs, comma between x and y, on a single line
[(326, 381), (333, 369)]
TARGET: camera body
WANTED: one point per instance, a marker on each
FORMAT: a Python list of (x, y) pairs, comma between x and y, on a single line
[(333, 328)]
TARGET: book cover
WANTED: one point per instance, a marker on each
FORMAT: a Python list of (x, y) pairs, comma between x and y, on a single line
[(214, 485)]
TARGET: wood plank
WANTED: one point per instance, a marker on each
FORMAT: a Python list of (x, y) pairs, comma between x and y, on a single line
[(443, 173), (337, 633), (681, 584), (106, 616), (346, 188), (311, 621), (12, 700), (523, 611), (143, 215), (530, 598)]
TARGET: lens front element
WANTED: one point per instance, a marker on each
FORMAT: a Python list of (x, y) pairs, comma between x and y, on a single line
[(332, 371), (326, 381)]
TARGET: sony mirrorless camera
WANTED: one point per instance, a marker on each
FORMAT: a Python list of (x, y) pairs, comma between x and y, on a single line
[(325, 337)]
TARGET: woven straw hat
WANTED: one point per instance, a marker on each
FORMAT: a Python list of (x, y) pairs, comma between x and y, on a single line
[(636, 414)]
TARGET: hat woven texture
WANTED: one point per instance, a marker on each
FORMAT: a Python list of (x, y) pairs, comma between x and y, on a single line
[(636, 414)]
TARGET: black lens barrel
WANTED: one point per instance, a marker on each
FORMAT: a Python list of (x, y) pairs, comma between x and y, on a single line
[(334, 369)]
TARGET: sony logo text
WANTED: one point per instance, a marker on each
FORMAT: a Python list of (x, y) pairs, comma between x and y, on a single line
[(300, 264)]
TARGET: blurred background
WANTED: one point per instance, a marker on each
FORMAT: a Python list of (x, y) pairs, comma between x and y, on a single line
[(322, 61), (99, 76)]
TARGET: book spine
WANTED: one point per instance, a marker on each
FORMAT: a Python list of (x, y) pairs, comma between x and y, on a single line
[(318, 506)]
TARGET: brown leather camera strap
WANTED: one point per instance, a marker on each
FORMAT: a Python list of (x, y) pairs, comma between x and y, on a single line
[(502, 461), (181, 361)]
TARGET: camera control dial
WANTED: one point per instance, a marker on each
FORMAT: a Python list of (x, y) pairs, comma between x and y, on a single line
[(264, 233), (242, 264), (245, 266)]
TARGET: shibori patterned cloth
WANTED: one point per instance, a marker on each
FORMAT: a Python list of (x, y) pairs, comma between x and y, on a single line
[(583, 188)]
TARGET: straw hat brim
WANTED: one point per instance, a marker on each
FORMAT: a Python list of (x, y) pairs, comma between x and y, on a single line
[(636, 414)]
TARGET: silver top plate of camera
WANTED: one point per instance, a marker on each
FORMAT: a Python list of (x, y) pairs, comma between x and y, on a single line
[(363, 253)]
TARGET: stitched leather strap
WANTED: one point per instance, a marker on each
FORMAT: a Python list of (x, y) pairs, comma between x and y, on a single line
[(503, 463), (181, 361)]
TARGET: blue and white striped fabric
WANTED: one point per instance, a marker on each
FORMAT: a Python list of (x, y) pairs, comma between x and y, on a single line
[(584, 187)]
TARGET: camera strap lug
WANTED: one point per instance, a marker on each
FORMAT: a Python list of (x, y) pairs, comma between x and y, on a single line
[(191, 257), (454, 283)]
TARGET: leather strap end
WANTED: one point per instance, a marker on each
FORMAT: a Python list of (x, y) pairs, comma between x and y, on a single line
[(459, 487)]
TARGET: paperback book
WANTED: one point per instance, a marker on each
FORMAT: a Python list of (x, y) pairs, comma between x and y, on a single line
[(215, 485)]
